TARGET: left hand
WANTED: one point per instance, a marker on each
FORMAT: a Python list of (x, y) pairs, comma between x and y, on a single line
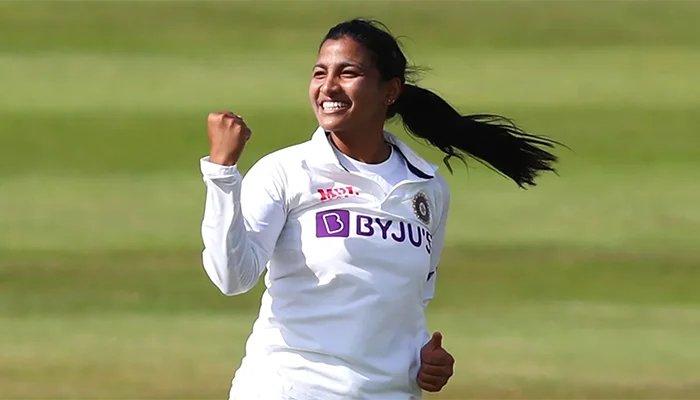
[(437, 365)]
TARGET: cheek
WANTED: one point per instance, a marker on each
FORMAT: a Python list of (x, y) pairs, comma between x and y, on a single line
[(313, 91), (365, 97)]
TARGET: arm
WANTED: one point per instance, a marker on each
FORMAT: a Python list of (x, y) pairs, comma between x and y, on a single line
[(242, 220), (438, 243), (436, 364)]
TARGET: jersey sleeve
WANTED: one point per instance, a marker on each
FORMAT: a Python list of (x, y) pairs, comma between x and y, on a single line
[(243, 218), (438, 241)]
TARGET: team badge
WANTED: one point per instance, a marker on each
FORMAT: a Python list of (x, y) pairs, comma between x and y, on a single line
[(421, 208)]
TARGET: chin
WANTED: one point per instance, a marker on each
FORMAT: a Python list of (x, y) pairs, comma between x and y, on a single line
[(331, 124)]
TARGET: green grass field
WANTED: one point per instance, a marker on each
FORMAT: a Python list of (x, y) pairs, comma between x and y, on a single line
[(586, 286)]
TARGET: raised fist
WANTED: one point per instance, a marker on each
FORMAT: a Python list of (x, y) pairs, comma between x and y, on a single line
[(228, 135)]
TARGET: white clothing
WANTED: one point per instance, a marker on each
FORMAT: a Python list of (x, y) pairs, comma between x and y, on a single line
[(350, 268), (386, 174)]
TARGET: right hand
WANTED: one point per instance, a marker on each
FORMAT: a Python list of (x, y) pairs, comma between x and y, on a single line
[(228, 135)]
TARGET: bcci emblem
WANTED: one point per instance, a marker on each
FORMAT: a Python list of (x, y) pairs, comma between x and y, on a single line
[(420, 207)]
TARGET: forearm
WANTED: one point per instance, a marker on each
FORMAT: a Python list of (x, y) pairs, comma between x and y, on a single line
[(242, 220), (231, 260)]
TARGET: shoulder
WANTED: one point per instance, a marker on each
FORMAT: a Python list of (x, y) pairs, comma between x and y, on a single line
[(441, 190), (277, 169), (443, 187), (284, 156)]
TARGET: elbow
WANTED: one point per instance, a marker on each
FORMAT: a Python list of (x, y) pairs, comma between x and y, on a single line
[(232, 288), (227, 278)]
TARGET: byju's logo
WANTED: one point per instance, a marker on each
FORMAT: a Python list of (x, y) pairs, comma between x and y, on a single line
[(334, 223), (338, 223)]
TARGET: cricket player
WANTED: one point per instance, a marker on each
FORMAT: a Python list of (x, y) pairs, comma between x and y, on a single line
[(349, 227)]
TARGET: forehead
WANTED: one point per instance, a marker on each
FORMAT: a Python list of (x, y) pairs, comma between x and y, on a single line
[(343, 50)]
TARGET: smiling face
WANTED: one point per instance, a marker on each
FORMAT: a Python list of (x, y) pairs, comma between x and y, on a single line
[(346, 89)]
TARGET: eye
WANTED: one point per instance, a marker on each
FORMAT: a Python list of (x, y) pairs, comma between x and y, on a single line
[(350, 73), (318, 74)]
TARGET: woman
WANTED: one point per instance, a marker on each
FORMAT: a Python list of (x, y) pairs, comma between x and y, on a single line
[(349, 225)]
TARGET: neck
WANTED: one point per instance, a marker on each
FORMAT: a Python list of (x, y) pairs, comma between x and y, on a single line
[(369, 148)]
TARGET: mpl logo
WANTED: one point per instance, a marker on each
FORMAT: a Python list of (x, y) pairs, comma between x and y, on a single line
[(339, 223), (338, 192)]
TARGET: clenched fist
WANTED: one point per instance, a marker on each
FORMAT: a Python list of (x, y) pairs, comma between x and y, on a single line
[(436, 365), (228, 135)]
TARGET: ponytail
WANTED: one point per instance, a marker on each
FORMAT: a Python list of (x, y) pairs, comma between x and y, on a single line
[(490, 139)]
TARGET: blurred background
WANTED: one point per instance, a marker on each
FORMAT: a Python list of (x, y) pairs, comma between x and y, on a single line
[(585, 286)]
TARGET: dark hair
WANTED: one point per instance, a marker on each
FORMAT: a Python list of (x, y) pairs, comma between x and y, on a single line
[(491, 139)]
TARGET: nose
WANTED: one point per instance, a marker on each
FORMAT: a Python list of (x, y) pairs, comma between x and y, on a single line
[(330, 85)]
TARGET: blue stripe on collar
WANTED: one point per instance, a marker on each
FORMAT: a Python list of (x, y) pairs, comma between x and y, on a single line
[(328, 158), (412, 167)]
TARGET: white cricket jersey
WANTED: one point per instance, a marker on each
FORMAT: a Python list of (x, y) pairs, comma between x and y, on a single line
[(350, 255)]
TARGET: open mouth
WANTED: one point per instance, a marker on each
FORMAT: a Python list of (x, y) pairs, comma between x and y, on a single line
[(334, 106)]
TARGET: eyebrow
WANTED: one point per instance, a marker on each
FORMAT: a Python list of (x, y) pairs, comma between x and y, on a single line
[(343, 65)]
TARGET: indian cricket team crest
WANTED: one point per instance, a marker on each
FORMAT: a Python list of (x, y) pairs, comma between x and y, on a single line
[(421, 207)]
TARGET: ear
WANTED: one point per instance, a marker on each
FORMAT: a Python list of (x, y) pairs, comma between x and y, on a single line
[(392, 91)]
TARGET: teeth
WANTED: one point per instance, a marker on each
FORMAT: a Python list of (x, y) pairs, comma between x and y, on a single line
[(334, 105)]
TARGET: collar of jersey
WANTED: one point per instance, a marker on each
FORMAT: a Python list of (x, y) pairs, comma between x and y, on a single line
[(324, 157)]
